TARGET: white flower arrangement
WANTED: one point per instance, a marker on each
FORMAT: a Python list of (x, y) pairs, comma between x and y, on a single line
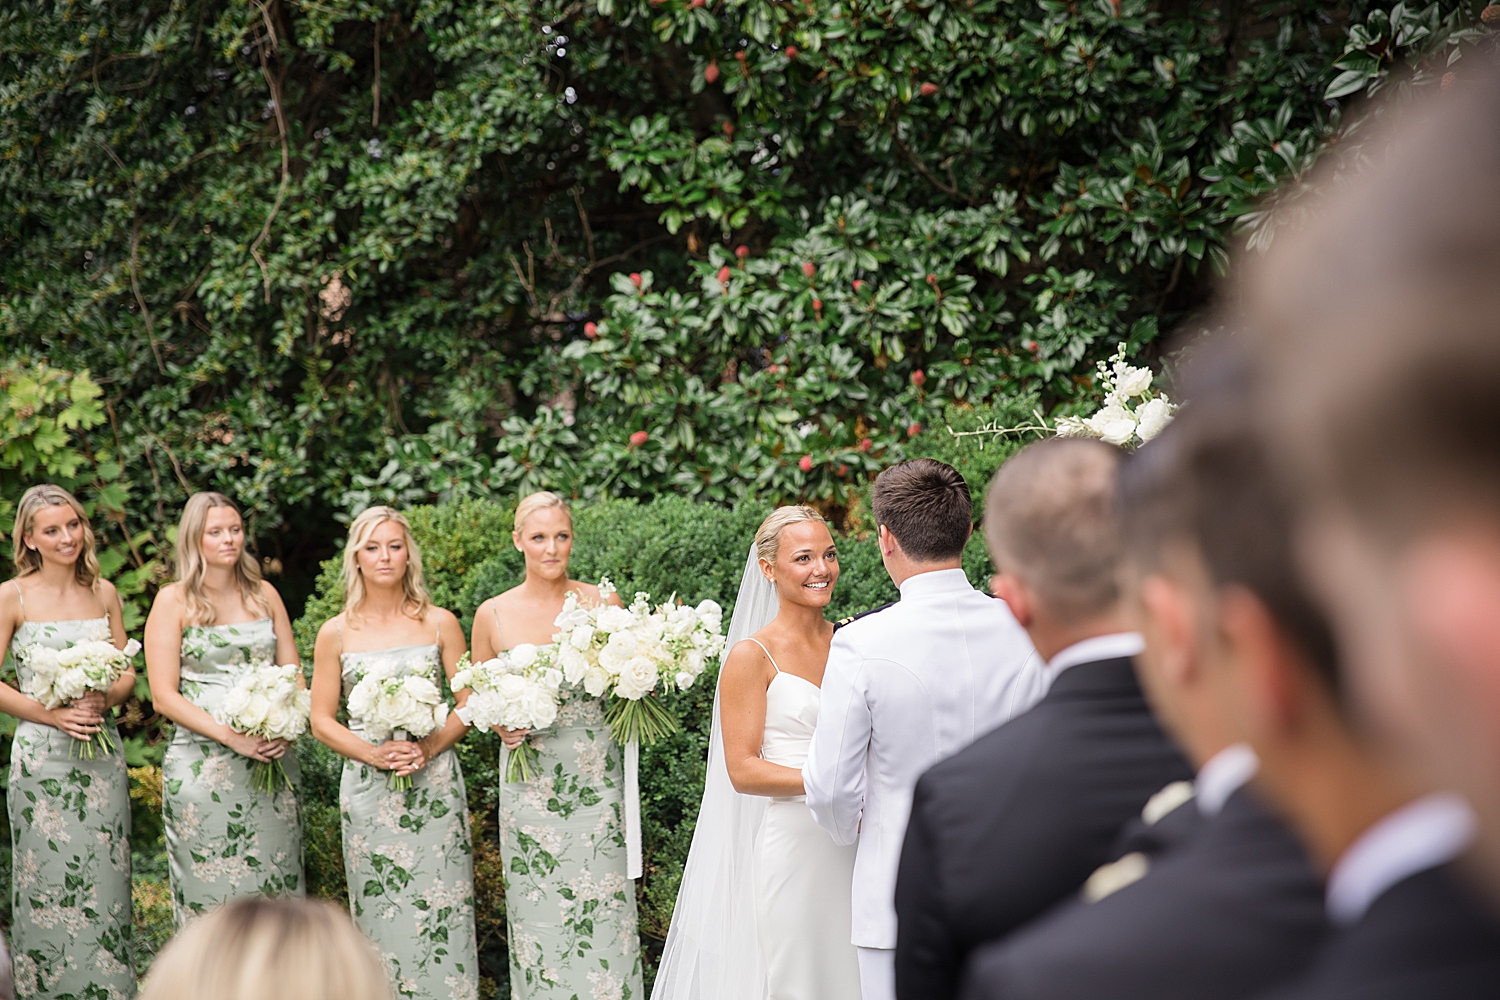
[(626, 652), (61, 676), (517, 690), (266, 701), (394, 703), (1131, 413)]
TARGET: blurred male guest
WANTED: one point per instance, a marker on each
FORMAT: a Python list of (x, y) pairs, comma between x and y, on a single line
[(905, 686), (1237, 908), (1380, 327), (1010, 826)]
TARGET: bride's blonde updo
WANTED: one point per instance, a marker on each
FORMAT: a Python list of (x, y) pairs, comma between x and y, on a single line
[(541, 500), (768, 536)]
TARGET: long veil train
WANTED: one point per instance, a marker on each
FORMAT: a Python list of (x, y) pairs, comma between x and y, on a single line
[(713, 949)]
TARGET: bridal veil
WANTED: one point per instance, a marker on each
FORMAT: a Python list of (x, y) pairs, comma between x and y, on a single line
[(713, 949)]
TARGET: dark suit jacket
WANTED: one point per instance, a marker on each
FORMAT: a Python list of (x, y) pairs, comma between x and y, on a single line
[(1230, 914), (1425, 938), (1007, 827)]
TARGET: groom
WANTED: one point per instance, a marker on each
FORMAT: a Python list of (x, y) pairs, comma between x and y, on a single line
[(906, 686)]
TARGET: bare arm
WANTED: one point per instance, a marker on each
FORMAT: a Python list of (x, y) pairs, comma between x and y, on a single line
[(743, 682), (164, 672), (327, 686), (78, 722), (452, 646)]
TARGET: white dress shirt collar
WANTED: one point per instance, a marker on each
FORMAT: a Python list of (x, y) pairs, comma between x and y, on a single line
[(1225, 773), (1424, 834), (937, 581), (1100, 647)]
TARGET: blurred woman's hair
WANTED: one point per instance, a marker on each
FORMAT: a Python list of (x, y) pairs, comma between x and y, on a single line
[(541, 500), (256, 948), (29, 560), (768, 535), (198, 607), (415, 601)]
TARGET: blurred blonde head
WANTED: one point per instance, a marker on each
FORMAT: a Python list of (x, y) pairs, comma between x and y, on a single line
[(29, 560), (269, 949), (192, 566), (768, 536), (415, 600)]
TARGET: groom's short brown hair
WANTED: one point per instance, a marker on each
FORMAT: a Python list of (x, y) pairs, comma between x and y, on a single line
[(926, 505)]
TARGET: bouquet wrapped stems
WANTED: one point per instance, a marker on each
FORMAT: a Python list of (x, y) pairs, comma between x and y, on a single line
[(91, 748), (399, 782), (638, 720), (270, 776), (522, 763)]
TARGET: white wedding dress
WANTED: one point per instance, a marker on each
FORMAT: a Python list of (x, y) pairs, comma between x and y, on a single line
[(763, 912), (803, 877)]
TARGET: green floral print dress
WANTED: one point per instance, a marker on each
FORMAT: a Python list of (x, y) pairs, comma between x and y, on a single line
[(408, 857), (570, 908), (70, 824), (225, 839)]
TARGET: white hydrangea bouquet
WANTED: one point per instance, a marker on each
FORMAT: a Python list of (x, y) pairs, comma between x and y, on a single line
[(1132, 411), (626, 652), (61, 676), (266, 701), (395, 704), (517, 690)]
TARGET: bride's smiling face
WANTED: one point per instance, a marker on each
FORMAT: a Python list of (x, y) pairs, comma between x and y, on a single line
[(807, 565)]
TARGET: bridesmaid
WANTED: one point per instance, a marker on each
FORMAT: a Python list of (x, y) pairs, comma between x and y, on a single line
[(70, 818), (570, 908), (225, 839), (407, 855)]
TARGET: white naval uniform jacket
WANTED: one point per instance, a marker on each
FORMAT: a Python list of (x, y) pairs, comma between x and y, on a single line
[(905, 687)]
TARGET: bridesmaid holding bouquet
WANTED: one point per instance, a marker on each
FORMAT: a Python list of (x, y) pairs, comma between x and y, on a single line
[(225, 838), (569, 906), (70, 818), (407, 851)]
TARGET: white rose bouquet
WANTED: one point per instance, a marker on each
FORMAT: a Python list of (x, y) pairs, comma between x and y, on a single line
[(266, 701), (395, 704), (626, 652), (516, 690), (61, 676), (1131, 411)]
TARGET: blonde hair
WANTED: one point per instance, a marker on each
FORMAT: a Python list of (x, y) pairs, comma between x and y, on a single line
[(415, 600), (29, 560), (192, 567), (541, 500), (768, 535), (256, 948)]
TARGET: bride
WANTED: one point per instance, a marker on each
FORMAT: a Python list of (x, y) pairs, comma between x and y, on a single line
[(763, 912)]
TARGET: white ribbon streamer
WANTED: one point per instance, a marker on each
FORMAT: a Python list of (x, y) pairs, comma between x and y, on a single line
[(632, 810)]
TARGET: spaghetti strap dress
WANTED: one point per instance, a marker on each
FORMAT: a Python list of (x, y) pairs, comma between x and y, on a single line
[(408, 855), (570, 910), (70, 862), (225, 839)]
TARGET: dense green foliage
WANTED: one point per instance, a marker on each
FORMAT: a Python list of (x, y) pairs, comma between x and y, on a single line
[(316, 254)]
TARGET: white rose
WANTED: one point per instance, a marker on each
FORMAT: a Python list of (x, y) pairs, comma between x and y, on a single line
[(422, 689), (277, 720), (613, 619), (573, 663), (552, 678), (620, 648), (232, 704), (581, 637), (511, 687), (709, 609), (572, 615), (693, 660), (637, 678), (1113, 423), (1131, 381), (685, 680), (537, 707), (256, 708), (595, 682), (1153, 416), (522, 655)]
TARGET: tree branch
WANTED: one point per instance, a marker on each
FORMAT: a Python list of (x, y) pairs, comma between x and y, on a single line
[(286, 172)]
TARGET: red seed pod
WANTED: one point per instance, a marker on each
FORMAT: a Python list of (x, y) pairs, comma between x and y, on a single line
[(805, 463), (729, 129), (809, 268), (843, 469), (914, 429), (928, 89), (742, 251), (638, 438), (791, 51), (918, 378), (932, 280), (591, 330), (740, 55), (1031, 346), (635, 279), (859, 284), (724, 275), (817, 305), (711, 74), (865, 444)]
